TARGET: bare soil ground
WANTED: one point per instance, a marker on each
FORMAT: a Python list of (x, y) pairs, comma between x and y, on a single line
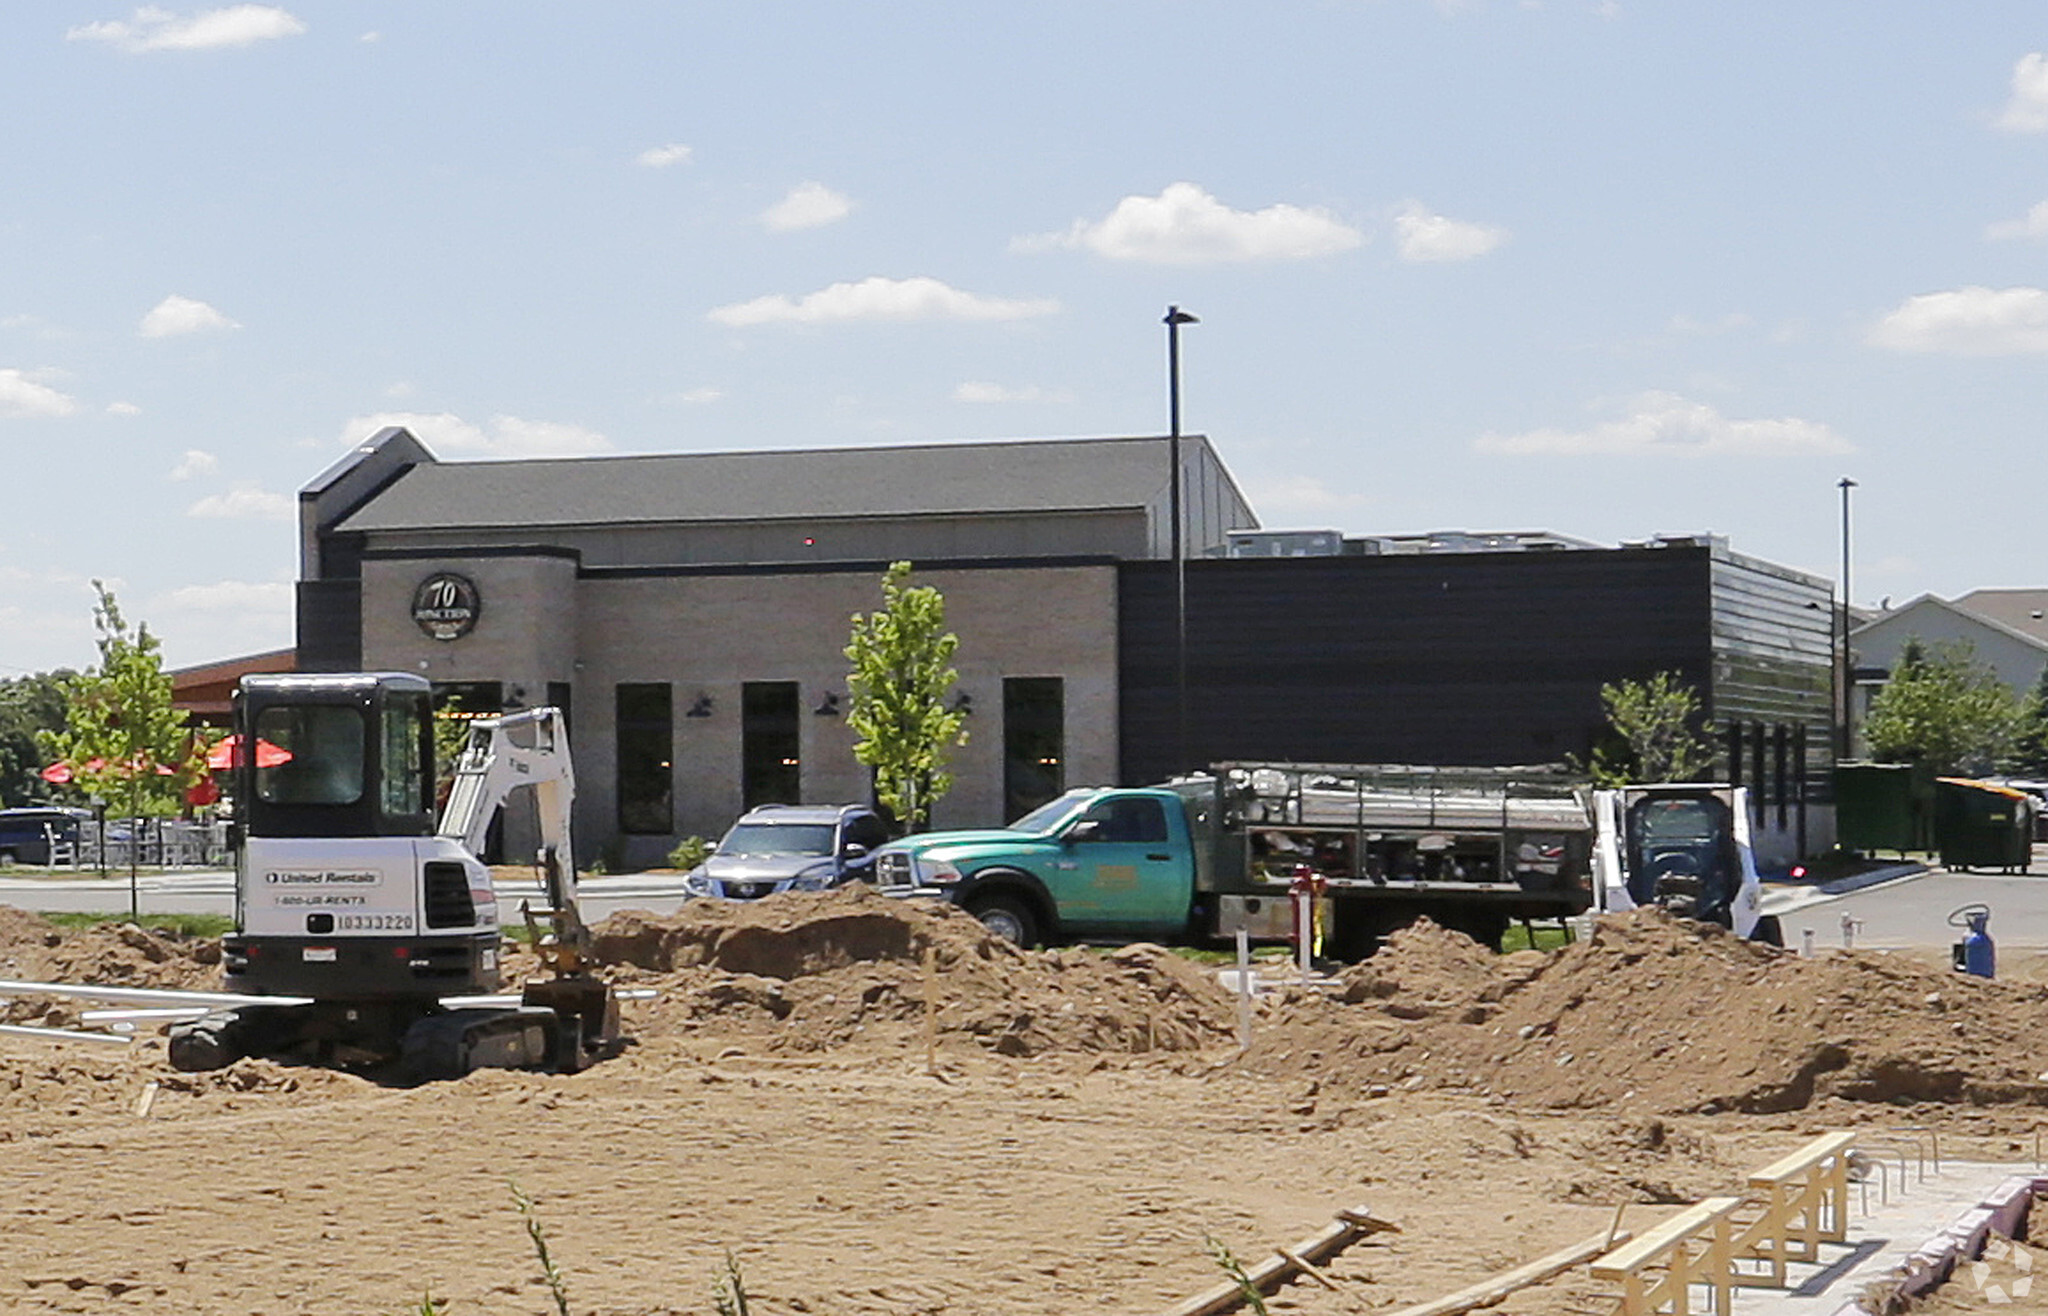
[(1090, 1126)]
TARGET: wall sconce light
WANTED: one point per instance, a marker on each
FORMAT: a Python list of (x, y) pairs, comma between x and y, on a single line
[(700, 707), (828, 706), (963, 704)]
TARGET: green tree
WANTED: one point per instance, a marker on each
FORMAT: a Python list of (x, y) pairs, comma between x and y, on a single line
[(1943, 708), (1653, 733), (901, 656), (29, 705), (2030, 752), (123, 741)]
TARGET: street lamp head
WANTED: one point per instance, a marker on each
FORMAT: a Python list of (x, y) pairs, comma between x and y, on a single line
[(1846, 483), (1176, 316)]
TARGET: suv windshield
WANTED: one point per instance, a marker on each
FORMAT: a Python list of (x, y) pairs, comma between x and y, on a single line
[(1047, 817), (761, 840)]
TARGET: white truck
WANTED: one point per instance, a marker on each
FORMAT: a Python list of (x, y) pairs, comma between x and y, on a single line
[(374, 926)]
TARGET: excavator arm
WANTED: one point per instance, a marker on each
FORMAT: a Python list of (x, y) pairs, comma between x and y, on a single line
[(511, 752)]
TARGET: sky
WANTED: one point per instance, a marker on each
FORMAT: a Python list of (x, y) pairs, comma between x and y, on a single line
[(1613, 269)]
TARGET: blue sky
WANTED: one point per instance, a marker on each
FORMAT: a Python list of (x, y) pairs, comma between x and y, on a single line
[(1612, 269)]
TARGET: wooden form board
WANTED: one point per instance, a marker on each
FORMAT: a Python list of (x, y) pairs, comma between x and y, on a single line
[(1349, 1225)]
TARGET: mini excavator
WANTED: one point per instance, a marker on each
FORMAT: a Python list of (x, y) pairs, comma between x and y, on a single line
[(368, 932)]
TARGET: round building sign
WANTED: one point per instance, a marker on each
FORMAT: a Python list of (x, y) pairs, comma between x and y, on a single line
[(446, 605)]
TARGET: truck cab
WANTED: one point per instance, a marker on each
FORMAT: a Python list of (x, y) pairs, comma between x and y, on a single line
[(1095, 861)]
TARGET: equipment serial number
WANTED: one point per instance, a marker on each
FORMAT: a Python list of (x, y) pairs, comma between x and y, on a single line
[(373, 922)]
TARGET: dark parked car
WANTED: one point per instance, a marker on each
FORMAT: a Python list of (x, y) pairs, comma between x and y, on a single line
[(26, 834), (790, 847)]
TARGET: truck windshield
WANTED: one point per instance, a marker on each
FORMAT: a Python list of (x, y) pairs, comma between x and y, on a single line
[(1048, 817), (760, 840), (326, 746)]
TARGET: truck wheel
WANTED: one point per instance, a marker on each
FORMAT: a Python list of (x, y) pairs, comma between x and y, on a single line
[(1768, 930), (1007, 917)]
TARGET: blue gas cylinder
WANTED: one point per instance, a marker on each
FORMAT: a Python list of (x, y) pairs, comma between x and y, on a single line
[(1975, 954)]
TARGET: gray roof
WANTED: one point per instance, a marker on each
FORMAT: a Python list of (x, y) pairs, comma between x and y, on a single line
[(812, 483), (2025, 610)]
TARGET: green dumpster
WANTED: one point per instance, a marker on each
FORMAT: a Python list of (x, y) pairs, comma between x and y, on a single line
[(1884, 806), (1978, 825)]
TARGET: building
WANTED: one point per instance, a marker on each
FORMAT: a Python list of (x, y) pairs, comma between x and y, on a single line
[(2006, 629), (690, 612)]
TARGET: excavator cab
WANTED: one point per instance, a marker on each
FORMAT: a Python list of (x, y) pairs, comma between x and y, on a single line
[(329, 756)]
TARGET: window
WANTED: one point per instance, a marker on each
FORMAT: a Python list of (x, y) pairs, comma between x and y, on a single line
[(771, 768), (325, 742), (402, 786), (1034, 742), (1130, 821), (646, 735)]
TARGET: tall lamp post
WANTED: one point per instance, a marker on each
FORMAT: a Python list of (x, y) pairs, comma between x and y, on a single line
[(1848, 668), (1175, 318)]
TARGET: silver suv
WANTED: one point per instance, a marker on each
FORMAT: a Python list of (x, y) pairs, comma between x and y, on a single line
[(790, 847)]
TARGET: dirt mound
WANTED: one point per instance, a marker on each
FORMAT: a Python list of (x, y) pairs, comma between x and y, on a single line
[(114, 955), (1659, 1014), (812, 973)]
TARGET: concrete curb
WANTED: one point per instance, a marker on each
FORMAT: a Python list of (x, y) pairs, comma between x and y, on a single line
[(2003, 1211), (1842, 886)]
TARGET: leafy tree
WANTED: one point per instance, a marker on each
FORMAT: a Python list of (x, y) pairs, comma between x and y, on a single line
[(1947, 710), (901, 656), (2030, 753), (123, 740), (1653, 733), (28, 705)]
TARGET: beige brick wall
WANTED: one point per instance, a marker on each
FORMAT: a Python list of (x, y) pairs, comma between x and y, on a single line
[(709, 633)]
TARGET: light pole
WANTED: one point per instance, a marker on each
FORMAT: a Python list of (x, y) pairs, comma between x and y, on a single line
[(1848, 668), (1175, 318)]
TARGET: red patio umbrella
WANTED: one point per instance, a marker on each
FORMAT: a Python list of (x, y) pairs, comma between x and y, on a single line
[(60, 771), (223, 755)]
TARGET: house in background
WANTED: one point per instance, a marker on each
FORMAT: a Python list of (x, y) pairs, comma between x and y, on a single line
[(2006, 628)]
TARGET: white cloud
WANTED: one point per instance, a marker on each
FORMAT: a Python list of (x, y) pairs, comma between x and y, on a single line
[(244, 502), (176, 315), (808, 205), (160, 29), (1424, 236), (2027, 111), (2033, 225), (502, 436), (661, 157), (231, 596), (1664, 423), (205, 623), (1184, 225), (1971, 321), (974, 390), (697, 397), (194, 463), (22, 396), (877, 298), (1304, 500), (123, 409)]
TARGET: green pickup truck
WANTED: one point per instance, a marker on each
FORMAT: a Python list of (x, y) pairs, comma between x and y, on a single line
[(1205, 856)]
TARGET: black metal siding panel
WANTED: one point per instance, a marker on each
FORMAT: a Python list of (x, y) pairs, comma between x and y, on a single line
[(330, 625), (1487, 658)]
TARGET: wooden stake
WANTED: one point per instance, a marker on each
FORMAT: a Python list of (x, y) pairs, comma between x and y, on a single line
[(1310, 1269), (1614, 1233), (931, 1010)]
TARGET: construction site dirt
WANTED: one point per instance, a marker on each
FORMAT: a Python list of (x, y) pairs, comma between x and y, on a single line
[(873, 1106)]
